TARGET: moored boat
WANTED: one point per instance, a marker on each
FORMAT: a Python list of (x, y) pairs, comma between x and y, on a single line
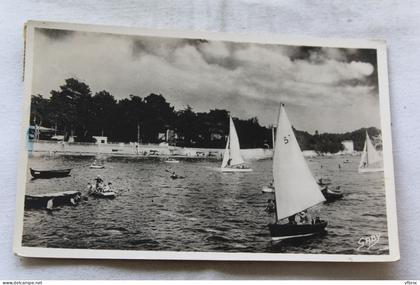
[(96, 166), (332, 194), (232, 158), (171, 160), (267, 189), (50, 173), (107, 194), (295, 187), (324, 181), (50, 200)]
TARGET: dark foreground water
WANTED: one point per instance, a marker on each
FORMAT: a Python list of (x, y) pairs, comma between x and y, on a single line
[(206, 211)]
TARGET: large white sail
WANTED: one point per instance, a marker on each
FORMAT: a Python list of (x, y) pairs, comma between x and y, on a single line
[(363, 159), (226, 154), (234, 150), (370, 157), (295, 187)]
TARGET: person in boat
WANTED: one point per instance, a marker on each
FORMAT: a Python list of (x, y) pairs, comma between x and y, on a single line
[(107, 187), (271, 206), (303, 217), (99, 185), (292, 219), (229, 161), (89, 188), (173, 175), (317, 220)]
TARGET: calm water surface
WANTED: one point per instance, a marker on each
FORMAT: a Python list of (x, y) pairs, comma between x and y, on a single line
[(206, 211)]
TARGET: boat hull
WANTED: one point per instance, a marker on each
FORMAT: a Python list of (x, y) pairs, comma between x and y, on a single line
[(324, 182), (229, 169), (106, 195), (331, 195), (172, 161), (367, 170), (50, 173), (97, 166), (290, 231), (59, 199)]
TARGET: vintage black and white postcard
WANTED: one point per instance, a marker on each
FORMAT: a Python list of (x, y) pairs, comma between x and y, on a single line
[(146, 144)]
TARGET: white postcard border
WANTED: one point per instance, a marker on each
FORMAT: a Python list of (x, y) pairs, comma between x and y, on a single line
[(384, 100)]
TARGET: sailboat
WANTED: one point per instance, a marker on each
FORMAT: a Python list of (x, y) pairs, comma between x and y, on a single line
[(232, 158), (295, 188), (371, 160)]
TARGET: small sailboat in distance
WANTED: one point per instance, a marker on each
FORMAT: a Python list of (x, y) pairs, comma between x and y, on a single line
[(371, 160), (232, 158), (295, 187)]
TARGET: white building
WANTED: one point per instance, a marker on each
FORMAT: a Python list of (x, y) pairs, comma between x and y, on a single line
[(348, 146), (100, 139)]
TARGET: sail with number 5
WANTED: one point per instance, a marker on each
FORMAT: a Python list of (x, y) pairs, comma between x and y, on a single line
[(371, 160), (294, 185), (232, 158)]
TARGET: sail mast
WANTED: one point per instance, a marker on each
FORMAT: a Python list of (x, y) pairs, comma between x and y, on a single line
[(367, 148), (226, 154)]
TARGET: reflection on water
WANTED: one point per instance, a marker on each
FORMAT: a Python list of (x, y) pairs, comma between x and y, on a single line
[(206, 211)]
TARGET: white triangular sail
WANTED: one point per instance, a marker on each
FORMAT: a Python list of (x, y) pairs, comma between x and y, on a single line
[(226, 154), (370, 159), (295, 188), (232, 155)]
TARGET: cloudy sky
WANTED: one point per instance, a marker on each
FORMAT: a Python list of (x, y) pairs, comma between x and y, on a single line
[(325, 89)]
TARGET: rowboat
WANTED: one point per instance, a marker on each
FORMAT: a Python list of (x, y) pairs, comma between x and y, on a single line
[(332, 194), (50, 173), (171, 160), (267, 189), (108, 194), (50, 200), (96, 166)]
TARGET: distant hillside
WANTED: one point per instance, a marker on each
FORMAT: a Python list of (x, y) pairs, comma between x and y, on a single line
[(328, 142), (73, 110)]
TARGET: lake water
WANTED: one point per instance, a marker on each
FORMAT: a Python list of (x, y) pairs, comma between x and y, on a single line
[(207, 211)]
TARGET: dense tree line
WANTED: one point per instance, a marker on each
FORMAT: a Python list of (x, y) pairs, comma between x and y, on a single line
[(74, 110)]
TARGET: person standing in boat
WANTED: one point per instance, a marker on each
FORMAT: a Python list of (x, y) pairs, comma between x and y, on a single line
[(271, 206), (292, 219), (99, 183)]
